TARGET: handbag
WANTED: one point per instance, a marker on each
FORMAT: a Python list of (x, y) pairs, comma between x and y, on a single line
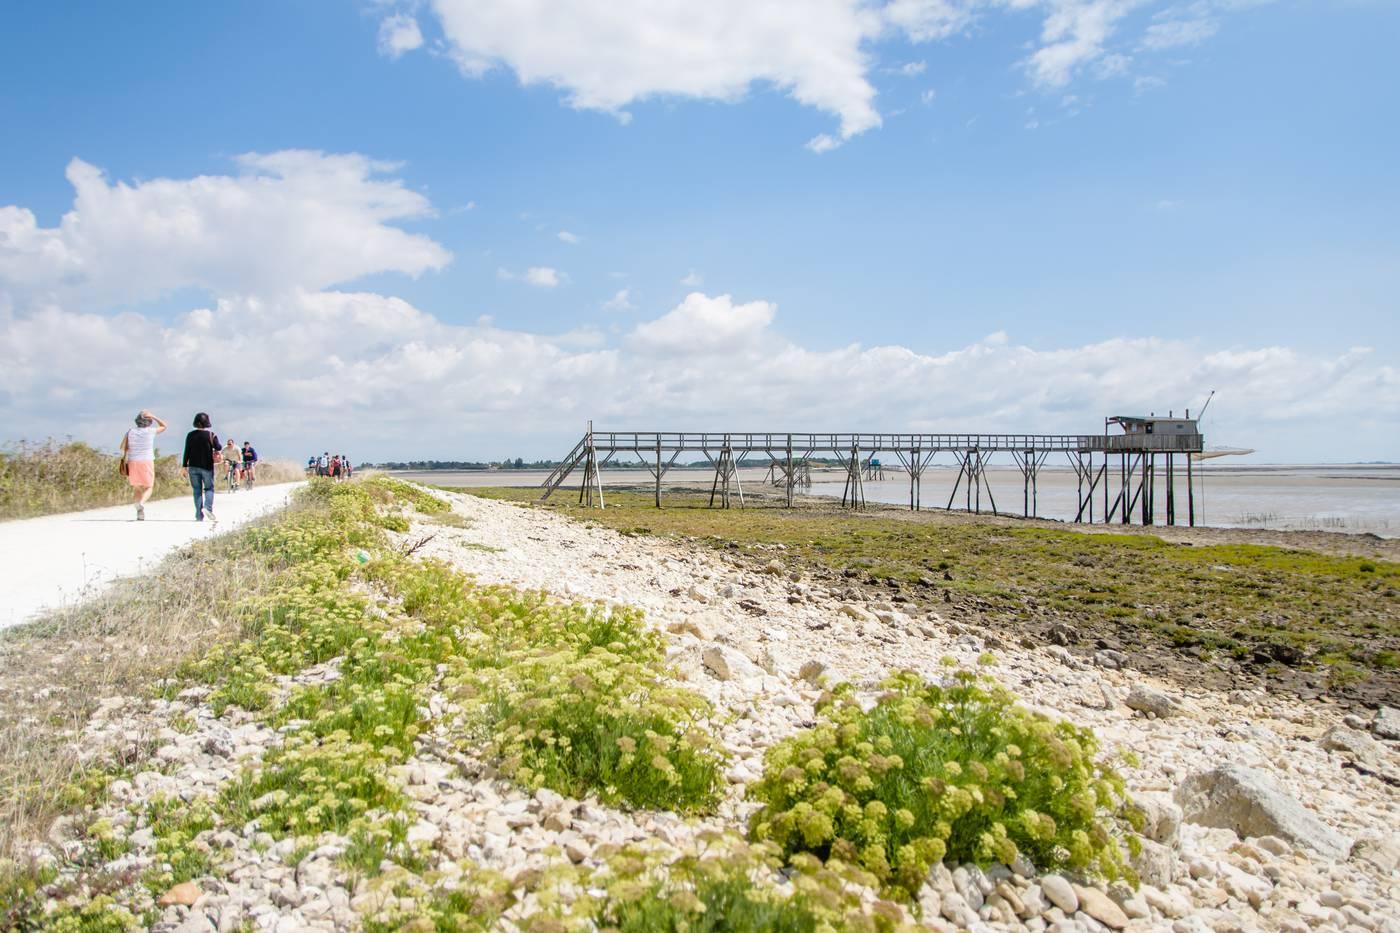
[(123, 467), (218, 451)]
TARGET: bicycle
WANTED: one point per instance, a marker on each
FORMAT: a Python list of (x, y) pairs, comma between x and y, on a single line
[(231, 477), (249, 474)]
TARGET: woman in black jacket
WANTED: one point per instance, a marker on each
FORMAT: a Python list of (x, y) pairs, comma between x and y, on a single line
[(201, 446)]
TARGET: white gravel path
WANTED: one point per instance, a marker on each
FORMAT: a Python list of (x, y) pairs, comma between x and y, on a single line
[(58, 560)]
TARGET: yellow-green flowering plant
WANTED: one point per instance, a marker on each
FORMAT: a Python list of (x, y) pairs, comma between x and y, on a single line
[(954, 771)]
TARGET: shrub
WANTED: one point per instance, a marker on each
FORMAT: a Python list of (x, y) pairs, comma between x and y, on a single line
[(724, 884), (386, 489), (597, 721), (934, 772), (566, 696), (175, 824), (734, 886), (332, 784), (473, 902)]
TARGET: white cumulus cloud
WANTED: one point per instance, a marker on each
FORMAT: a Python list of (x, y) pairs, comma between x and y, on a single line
[(542, 276), (620, 301), (399, 34), (701, 324), (608, 54), (368, 371), (567, 237), (288, 219), (1074, 34)]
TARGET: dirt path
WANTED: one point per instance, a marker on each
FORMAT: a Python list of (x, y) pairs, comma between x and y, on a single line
[(60, 559)]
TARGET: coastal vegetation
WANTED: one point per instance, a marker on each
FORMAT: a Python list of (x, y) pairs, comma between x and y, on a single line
[(931, 772), (1298, 618), (359, 656), (52, 477)]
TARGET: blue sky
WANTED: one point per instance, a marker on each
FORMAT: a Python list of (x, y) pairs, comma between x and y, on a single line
[(1026, 213)]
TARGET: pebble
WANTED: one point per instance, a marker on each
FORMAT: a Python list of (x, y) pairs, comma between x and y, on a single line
[(1060, 893)]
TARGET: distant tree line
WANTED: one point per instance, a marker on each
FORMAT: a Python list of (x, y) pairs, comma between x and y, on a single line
[(518, 463)]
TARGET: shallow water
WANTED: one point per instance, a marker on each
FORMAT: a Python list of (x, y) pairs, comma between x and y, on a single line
[(1308, 498), (1351, 498)]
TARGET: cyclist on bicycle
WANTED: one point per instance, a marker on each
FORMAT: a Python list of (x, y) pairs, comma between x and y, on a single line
[(250, 463), (233, 460)]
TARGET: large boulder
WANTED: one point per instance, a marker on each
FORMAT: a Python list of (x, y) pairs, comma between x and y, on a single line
[(1146, 700), (1361, 751), (1387, 723), (1251, 804)]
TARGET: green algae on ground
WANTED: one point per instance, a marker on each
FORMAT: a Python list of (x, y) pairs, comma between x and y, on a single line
[(1263, 604)]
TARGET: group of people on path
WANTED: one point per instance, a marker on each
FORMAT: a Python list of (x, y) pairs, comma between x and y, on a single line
[(240, 464), (336, 467), (202, 457)]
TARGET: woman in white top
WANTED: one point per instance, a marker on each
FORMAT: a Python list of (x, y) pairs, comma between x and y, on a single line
[(139, 455)]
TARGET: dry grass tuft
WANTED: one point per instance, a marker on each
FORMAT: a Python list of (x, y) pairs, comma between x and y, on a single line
[(55, 672), (52, 477)]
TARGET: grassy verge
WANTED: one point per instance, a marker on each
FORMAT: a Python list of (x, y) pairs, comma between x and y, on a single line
[(50, 478), (57, 671), (571, 697), (1273, 609)]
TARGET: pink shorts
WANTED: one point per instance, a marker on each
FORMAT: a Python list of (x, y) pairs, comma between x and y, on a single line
[(141, 473)]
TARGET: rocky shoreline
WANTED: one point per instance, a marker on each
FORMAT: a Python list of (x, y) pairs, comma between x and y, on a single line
[(1264, 812)]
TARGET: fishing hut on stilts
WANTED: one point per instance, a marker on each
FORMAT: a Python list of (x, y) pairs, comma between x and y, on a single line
[(1117, 473)]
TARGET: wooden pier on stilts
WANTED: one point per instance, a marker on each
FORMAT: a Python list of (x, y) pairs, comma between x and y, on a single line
[(1116, 473)]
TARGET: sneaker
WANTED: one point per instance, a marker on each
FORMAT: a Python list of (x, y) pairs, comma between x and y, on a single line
[(140, 513), (212, 516)]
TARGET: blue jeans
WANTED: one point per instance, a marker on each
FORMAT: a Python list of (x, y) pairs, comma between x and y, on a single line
[(202, 482)]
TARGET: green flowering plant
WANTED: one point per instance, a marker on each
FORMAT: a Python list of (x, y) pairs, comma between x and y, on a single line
[(724, 883), (175, 824), (596, 722), (728, 884), (954, 771), (386, 490), (465, 898), (573, 697), (101, 914), (321, 784)]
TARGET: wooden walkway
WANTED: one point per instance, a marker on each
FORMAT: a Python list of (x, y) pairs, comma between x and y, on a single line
[(1129, 462)]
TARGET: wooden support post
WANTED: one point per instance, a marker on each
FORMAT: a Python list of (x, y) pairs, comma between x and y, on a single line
[(1171, 489), (658, 471), (957, 480), (1149, 464), (1190, 494), (791, 476), (1077, 461)]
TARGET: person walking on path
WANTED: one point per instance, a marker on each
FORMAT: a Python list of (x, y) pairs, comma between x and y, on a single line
[(201, 446), (139, 459)]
